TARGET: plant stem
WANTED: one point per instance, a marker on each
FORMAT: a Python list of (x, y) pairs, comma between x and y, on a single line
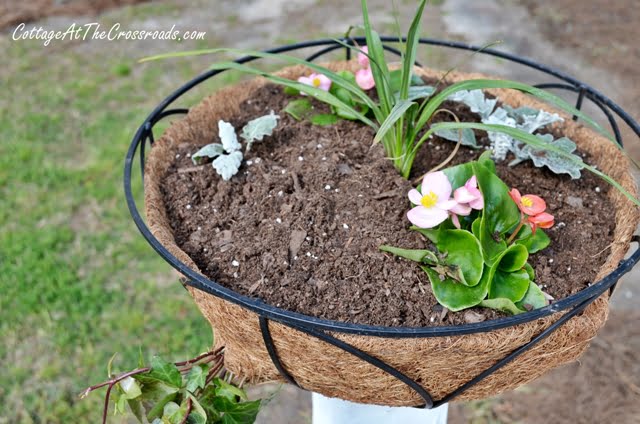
[(517, 230), (186, 415)]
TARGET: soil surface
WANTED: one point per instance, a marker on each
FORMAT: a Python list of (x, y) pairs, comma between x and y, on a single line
[(301, 225)]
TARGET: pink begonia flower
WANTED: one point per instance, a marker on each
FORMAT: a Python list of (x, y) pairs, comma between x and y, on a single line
[(533, 208), (529, 204), (470, 194), (363, 59), (468, 197), (434, 203), (316, 80), (364, 78), (542, 220)]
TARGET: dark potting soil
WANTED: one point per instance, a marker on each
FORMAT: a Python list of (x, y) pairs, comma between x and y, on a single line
[(301, 223)]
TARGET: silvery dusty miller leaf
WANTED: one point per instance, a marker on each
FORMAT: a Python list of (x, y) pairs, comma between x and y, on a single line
[(210, 150), (552, 160), (468, 136), (227, 135), (476, 101), (258, 128), (227, 165)]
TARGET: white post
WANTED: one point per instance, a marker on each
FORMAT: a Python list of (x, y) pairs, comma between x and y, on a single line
[(337, 411)]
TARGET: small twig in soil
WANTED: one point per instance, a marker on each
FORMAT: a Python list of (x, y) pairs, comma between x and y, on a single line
[(191, 169), (385, 195), (296, 181)]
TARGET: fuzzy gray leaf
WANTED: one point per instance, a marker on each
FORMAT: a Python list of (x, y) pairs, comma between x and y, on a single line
[(258, 128), (227, 135), (468, 136), (416, 93), (555, 162), (501, 144), (210, 151), (531, 123), (227, 165), (476, 100)]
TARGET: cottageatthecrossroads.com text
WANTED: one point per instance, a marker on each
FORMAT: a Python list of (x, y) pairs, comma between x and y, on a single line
[(94, 31)]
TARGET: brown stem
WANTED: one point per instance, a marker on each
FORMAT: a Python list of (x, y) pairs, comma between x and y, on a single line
[(186, 415), (197, 358), (114, 380), (515, 233), (213, 371), (215, 355)]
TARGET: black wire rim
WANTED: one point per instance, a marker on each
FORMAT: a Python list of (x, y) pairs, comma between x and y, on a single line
[(318, 327)]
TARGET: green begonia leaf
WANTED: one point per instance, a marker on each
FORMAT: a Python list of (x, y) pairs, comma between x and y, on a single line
[(533, 242), (458, 175), (502, 304), (486, 161), (416, 255), (454, 295), (475, 227), (530, 271), (500, 213), (509, 285), (324, 119), (463, 252), (299, 109), (533, 299), (514, 258)]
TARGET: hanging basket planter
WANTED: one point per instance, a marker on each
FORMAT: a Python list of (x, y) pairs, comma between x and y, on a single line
[(396, 366)]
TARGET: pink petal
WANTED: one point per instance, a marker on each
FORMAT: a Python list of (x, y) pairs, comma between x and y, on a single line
[(438, 183), (477, 204), (363, 59), (364, 78), (455, 220), (461, 209), (463, 195), (415, 197), (426, 217), (325, 82), (471, 183), (446, 204)]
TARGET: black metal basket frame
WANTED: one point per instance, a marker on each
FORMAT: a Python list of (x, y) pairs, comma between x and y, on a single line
[(321, 328)]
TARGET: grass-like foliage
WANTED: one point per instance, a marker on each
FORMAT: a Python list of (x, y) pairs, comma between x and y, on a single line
[(402, 117)]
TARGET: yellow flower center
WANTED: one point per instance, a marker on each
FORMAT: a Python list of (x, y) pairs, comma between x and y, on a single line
[(316, 82), (526, 201), (429, 200)]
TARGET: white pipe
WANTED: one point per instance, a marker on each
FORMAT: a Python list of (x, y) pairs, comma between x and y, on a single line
[(337, 411)]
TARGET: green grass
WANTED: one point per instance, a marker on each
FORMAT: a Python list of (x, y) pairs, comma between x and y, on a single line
[(77, 281)]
